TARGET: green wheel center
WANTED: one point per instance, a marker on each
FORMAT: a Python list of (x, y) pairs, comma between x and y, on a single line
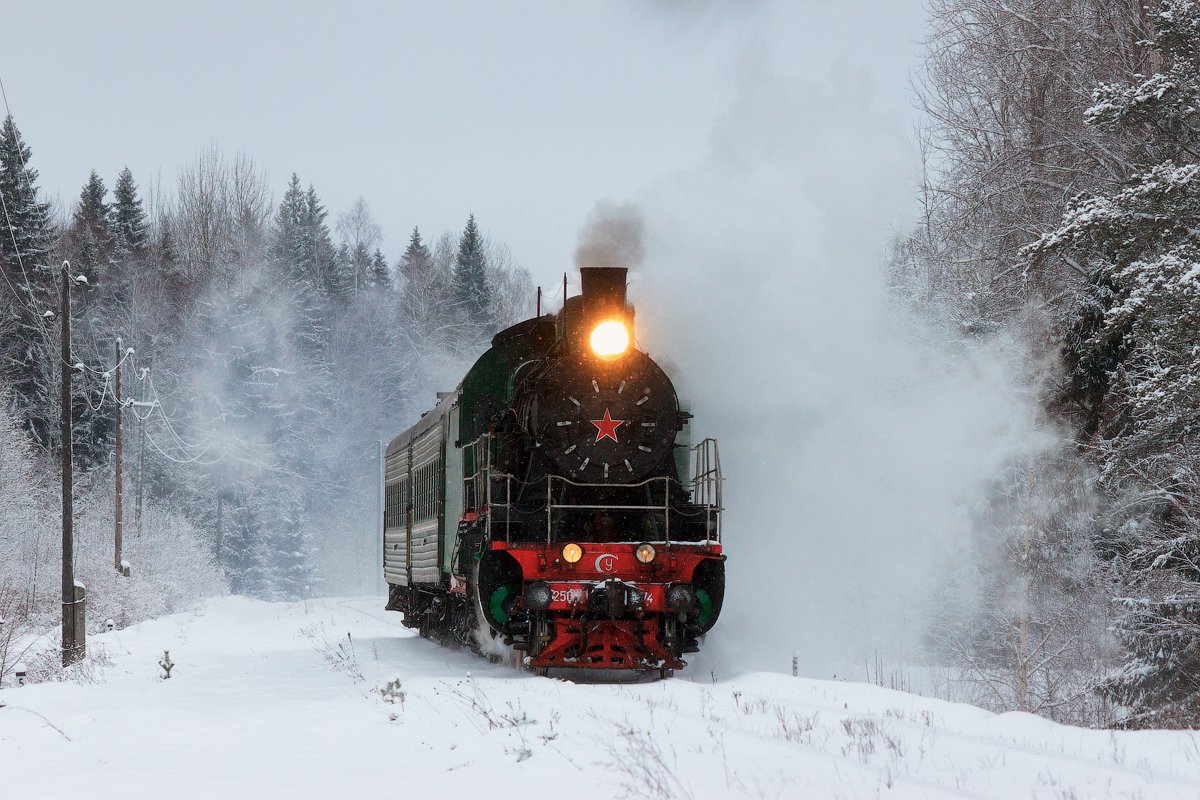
[(706, 607), (499, 602)]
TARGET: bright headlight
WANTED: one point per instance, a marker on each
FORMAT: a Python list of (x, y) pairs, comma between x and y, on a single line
[(610, 339), (645, 553), (572, 553)]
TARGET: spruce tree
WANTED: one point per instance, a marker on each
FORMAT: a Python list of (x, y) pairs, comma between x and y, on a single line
[(328, 276), (244, 553), (1135, 366), (417, 261), (91, 231), (427, 299), (163, 259), (129, 218), (303, 249), (288, 245), (471, 290), (304, 257), (28, 286), (380, 272), (27, 229)]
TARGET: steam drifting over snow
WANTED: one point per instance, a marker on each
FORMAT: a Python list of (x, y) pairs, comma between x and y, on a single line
[(853, 441)]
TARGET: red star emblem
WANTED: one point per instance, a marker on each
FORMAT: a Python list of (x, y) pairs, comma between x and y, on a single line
[(607, 428)]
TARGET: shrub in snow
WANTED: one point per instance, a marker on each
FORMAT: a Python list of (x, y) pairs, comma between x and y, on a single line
[(166, 664), (45, 665), (391, 692), (174, 565)]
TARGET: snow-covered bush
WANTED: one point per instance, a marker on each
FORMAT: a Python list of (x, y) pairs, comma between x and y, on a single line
[(27, 579), (171, 563)]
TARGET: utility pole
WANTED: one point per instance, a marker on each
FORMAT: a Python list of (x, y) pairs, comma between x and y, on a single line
[(219, 542), (222, 488), (119, 522), (73, 630)]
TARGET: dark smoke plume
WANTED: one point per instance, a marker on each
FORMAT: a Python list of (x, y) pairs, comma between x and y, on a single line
[(612, 237)]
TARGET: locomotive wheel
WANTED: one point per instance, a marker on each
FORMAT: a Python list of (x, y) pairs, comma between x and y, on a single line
[(666, 673)]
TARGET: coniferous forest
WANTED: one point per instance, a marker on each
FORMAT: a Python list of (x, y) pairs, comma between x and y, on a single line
[(1060, 202), (266, 346)]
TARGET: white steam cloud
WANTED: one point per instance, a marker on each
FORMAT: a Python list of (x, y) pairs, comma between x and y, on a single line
[(854, 440)]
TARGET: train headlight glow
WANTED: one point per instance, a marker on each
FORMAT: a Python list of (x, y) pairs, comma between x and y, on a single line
[(645, 553), (610, 339), (572, 553)]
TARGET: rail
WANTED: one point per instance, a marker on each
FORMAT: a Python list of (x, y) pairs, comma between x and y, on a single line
[(486, 489)]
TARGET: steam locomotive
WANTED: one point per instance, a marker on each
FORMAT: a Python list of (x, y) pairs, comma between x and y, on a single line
[(553, 500)]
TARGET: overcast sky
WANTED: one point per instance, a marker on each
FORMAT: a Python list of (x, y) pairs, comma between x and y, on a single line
[(525, 113)]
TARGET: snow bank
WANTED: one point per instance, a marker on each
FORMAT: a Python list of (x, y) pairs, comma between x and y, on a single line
[(333, 698)]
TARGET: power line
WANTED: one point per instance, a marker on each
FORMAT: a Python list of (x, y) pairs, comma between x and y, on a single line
[(193, 460)]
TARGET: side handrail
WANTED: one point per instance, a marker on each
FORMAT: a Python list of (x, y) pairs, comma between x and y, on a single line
[(551, 505), (481, 487), (706, 485)]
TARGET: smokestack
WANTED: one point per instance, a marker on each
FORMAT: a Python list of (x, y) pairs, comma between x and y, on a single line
[(603, 290)]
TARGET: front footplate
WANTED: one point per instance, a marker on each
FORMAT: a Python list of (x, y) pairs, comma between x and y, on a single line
[(605, 644)]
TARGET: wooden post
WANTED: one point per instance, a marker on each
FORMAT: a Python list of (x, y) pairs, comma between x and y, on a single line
[(78, 612), (72, 636), (119, 521), (219, 541)]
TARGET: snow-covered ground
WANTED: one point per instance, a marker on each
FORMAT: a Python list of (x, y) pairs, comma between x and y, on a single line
[(293, 701)]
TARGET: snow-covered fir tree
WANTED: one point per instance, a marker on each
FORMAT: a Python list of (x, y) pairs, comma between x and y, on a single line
[(130, 229), (1135, 365), (29, 290), (91, 232), (471, 288), (380, 274)]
